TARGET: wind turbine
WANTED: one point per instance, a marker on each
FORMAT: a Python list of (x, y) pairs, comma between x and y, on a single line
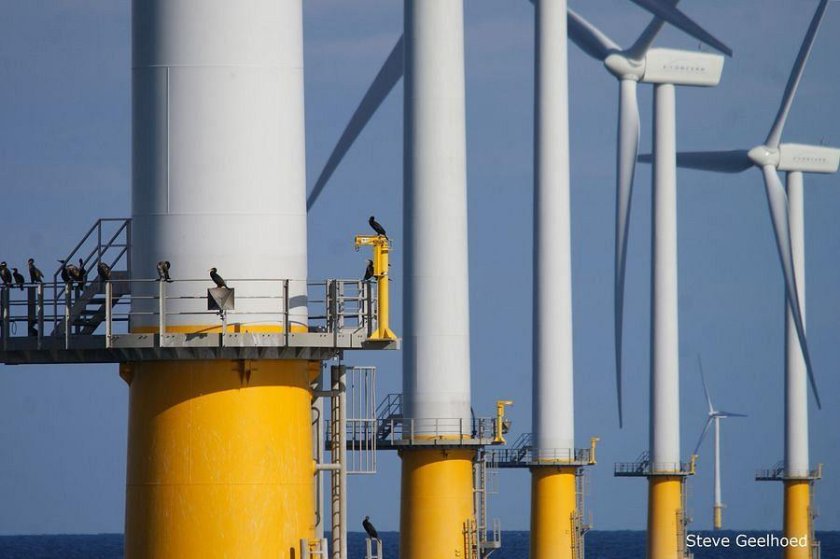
[(713, 418), (788, 218), (773, 156)]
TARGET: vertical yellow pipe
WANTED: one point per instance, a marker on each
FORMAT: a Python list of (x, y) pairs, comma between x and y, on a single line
[(553, 508), (436, 503), (718, 518), (219, 459), (797, 521), (665, 511)]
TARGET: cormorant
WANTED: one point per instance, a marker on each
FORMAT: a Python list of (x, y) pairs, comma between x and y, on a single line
[(217, 279), (368, 271), (18, 278), (35, 275), (104, 271), (65, 272), (163, 270), (377, 227), (371, 531), (5, 274), (82, 272)]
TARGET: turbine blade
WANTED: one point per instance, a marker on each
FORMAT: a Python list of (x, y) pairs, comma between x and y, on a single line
[(645, 40), (722, 413), (678, 19), (777, 201), (628, 149), (385, 80), (703, 434), (729, 161), (589, 38), (775, 135), (705, 388)]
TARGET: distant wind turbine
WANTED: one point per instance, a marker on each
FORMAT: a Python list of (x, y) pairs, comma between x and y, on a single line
[(714, 417)]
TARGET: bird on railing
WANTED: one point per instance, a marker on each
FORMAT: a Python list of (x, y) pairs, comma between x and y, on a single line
[(82, 273), (368, 271), (377, 227), (19, 280), (104, 271), (368, 526), (65, 272), (163, 270), (35, 275), (217, 279), (5, 275)]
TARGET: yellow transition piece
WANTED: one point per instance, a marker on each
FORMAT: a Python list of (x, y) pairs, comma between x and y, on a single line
[(219, 459), (797, 521), (717, 521), (664, 516), (553, 509), (436, 503)]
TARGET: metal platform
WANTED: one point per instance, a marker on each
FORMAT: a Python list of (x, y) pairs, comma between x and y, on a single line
[(777, 473), (521, 454), (643, 467)]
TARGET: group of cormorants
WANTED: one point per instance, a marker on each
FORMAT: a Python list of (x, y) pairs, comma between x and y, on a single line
[(70, 273), (16, 278)]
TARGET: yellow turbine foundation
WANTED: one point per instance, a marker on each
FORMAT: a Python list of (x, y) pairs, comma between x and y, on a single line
[(553, 510), (797, 521), (718, 518), (665, 512), (219, 459), (436, 503)]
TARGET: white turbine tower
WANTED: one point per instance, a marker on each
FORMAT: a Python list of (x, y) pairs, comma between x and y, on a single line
[(787, 212), (713, 418)]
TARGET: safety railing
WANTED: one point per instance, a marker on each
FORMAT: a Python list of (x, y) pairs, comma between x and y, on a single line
[(523, 454), (401, 431), (778, 472), (643, 466), (77, 310)]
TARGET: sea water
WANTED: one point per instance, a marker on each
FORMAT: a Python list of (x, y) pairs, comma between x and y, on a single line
[(599, 545)]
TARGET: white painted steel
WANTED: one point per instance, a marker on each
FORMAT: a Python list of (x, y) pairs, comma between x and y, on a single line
[(553, 384), (665, 393), (218, 150), (796, 375), (436, 354), (682, 67), (808, 159)]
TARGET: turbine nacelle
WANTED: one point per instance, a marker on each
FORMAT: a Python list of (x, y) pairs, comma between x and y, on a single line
[(681, 67), (797, 157)]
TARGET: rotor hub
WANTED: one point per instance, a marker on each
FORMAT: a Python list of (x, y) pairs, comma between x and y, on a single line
[(764, 155), (625, 68)]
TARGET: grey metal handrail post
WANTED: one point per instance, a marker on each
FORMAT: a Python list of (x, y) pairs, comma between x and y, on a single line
[(66, 316), (108, 313), (286, 323), (4, 315), (40, 312), (161, 308)]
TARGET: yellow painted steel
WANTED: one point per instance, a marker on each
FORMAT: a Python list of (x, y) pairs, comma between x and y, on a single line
[(553, 512), (665, 513), (381, 249), (718, 518), (436, 503), (219, 459), (797, 521), (500, 420)]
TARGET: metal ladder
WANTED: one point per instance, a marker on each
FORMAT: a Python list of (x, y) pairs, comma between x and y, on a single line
[(108, 241)]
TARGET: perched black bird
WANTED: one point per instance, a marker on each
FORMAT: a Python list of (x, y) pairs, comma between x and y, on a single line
[(377, 227), (82, 278), (104, 271), (217, 279), (163, 270), (35, 275), (368, 271), (5, 275), (73, 273), (65, 272), (18, 278), (371, 531)]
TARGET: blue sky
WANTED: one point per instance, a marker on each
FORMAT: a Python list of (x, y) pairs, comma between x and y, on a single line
[(65, 161)]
